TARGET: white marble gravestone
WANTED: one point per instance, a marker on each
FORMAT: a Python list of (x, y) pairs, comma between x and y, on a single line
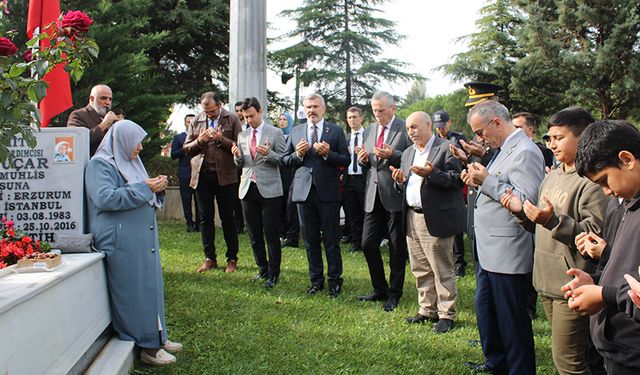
[(42, 189)]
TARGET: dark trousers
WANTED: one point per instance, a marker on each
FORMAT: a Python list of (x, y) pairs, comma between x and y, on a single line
[(354, 207), (615, 368), (372, 233), (237, 207), (292, 230), (504, 325), (209, 189), (321, 221), (261, 215), (458, 250), (187, 195)]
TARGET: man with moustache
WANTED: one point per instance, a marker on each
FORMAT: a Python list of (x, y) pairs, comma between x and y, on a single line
[(317, 150), (505, 250), (97, 116), (214, 175), (383, 148), (433, 210)]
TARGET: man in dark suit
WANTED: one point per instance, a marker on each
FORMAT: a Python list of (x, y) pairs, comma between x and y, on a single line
[(317, 150), (354, 179), (433, 209), (383, 148), (237, 205), (214, 175), (505, 250), (97, 116), (258, 153), (187, 194)]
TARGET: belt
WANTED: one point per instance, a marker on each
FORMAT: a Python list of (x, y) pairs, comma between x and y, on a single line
[(417, 210)]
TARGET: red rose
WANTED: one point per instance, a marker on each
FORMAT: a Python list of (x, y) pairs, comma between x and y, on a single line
[(75, 21), (7, 48), (27, 55)]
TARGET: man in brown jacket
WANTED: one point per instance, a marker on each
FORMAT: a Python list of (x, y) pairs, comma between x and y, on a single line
[(96, 116), (213, 175)]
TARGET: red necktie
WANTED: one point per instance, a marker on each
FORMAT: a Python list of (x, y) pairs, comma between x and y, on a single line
[(252, 146), (380, 140)]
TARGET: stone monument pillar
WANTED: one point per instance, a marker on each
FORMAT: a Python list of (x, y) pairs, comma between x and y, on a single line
[(248, 51)]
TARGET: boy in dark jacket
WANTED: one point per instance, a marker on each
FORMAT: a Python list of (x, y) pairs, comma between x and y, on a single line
[(609, 155)]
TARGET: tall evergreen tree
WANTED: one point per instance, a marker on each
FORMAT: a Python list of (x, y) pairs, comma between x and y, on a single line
[(493, 49), (416, 93), (153, 53), (348, 37), (193, 56), (581, 52)]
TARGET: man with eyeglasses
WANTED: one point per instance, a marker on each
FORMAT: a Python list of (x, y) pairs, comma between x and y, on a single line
[(505, 249), (97, 116)]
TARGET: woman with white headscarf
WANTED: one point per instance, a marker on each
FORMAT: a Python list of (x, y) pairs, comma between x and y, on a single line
[(122, 200)]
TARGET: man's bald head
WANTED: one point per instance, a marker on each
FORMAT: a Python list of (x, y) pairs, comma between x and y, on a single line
[(419, 128)]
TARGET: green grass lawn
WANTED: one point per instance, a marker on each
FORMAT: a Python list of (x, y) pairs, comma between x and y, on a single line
[(231, 325)]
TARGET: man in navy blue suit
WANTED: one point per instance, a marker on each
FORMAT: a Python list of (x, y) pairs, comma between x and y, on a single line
[(187, 194), (317, 149)]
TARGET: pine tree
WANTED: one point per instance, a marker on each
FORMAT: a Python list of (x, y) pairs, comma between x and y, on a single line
[(581, 52), (348, 38)]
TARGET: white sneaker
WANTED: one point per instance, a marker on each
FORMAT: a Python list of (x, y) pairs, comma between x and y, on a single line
[(172, 347), (162, 358)]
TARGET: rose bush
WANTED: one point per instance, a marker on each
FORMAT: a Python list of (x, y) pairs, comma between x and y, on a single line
[(64, 42)]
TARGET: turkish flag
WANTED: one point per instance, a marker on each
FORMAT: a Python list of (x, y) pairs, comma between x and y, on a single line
[(58, 96)]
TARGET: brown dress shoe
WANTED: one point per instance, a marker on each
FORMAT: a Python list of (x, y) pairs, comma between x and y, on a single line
[(231, 266), (207, 265)]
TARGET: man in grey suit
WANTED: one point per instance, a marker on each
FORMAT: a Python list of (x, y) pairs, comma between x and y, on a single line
[(317, 149), (258, 153), (505, 250), (383, 148), (433, 212)]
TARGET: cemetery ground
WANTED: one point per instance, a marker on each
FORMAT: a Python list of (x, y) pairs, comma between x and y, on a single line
[(232, 325)]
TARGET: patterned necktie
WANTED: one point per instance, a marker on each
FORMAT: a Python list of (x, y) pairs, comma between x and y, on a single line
[(314, 135), (252, 146), (380, 140), (355, 156)]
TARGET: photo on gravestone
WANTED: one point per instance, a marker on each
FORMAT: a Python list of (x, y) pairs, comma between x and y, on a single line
[(42, 189), (63, 150)]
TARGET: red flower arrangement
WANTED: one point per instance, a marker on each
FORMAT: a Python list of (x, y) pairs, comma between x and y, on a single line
[(14, 244)]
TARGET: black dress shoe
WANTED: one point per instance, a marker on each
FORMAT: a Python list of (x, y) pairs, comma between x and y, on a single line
[(259, 276), (354, 249), (271, 282), (479, 367), (419, 318), (460, 272), (334, 291), (314, 289), (443, 326), (391, 304), (373, 297), (191, 228), (289, 243)]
